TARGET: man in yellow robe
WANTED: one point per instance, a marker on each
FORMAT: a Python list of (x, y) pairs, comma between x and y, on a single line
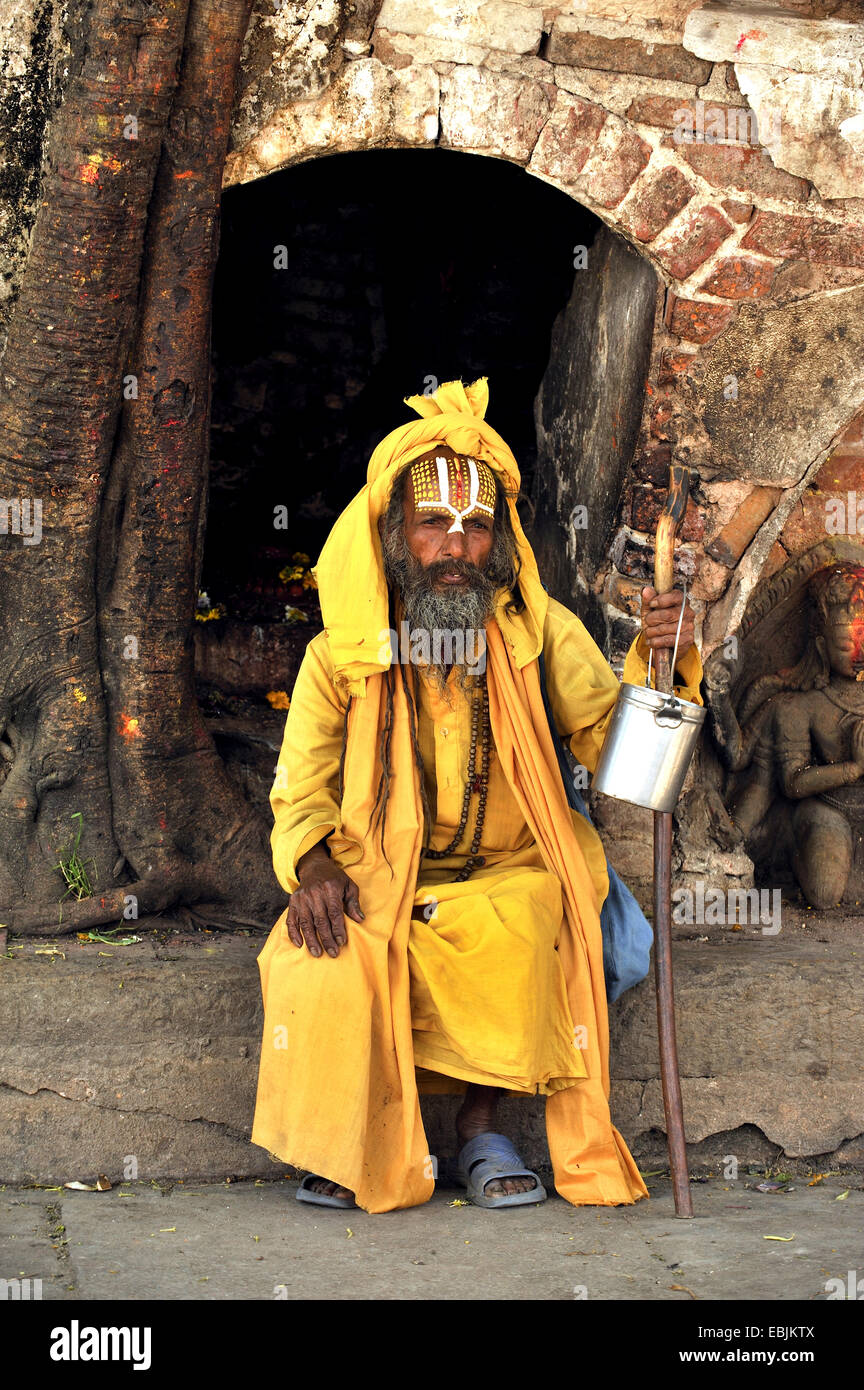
[(443, 930)]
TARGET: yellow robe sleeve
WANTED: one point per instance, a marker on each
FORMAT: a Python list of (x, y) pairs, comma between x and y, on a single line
[(304, 797), (583, 687)]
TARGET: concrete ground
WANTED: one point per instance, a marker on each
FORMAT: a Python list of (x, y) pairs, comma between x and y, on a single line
[(251, 1240)]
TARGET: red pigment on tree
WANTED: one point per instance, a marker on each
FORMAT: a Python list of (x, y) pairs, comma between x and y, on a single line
[(192, 59)]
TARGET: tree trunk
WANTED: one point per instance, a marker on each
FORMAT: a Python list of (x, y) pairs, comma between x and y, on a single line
[(104, 421)]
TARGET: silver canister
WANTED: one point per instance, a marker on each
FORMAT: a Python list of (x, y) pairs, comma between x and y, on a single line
[(649, 743)]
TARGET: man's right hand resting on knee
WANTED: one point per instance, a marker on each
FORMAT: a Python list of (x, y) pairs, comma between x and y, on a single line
[(318, 908)]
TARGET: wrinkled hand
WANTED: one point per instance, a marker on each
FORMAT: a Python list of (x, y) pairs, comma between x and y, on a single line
[(660, 613), (317, 909)]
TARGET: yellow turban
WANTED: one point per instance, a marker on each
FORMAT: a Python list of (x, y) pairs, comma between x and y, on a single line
[(352, 588)]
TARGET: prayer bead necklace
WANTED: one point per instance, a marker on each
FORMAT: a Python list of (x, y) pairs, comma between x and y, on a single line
[(474, 782)]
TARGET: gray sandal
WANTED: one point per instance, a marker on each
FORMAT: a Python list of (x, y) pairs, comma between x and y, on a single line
[(321, 1199), (487, 1157)]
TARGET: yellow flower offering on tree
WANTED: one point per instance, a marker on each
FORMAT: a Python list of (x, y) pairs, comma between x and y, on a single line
[(209, 614), (278, 699)]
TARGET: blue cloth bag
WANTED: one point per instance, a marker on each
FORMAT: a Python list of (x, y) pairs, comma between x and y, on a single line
[(627, 933)]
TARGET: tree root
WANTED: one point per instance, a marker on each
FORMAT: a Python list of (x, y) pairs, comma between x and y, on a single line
[(154, 894)]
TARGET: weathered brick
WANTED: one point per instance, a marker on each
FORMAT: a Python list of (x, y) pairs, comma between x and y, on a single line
[(731, 79), (567, 139), (659, 416), (711, 580), (658, 202), (710, 120), (493, 111), (778, 234), (777, 558), (646, 504), (807, 524), (800, 279), (694, 241), (653, 465), (741, 166), (739, 277), (843, 471), (617, 170), (739, 212), (807, 238), (829, 244), (570, 44), (623, 594), (696, 320), (637, 561), (729, 545), (854, 432), (643, 507), (674, 365)]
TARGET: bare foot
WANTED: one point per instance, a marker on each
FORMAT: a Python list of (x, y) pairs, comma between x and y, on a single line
[(329, 1189), (477, 1116)]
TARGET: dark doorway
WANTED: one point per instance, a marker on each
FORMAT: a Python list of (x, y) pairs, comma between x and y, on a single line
[(400, 266)]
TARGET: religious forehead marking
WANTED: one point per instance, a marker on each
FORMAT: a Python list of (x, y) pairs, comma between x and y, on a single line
[(442, 482)]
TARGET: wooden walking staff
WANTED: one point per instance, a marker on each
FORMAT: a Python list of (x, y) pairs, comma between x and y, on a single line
[(664, 551)]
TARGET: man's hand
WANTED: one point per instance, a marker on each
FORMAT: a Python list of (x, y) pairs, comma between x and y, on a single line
[(317, 910), (660, 613)]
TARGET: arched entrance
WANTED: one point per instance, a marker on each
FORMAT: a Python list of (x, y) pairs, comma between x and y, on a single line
[(348, 282)]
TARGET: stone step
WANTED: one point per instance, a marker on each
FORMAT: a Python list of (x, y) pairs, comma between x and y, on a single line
[(141, 1061)]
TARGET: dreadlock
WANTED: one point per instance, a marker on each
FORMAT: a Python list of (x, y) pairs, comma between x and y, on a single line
[(411, 697), (344, 749), (382, 794)]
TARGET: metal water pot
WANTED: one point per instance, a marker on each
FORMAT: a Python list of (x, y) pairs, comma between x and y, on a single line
[(649, 742)]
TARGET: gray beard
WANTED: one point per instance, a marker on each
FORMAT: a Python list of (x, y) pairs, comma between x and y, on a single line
[(462, 610), (461, 613)]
